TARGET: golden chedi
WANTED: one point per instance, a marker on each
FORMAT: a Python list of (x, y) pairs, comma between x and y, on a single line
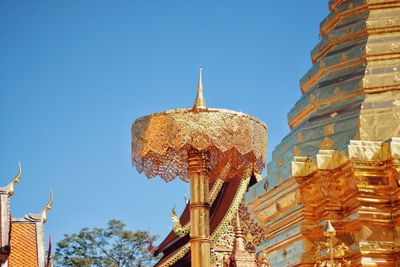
[(340, 161)]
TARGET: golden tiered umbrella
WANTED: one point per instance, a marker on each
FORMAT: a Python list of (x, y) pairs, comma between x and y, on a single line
[(199, 144)]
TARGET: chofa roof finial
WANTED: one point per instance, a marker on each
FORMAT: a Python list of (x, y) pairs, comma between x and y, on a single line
[(10, 186), (43, 214), (200, 103)]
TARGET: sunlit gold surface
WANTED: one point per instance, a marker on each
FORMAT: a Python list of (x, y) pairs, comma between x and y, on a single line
[(199, 166), (197, 145), (340, 162), (161, 141), (200, 103)]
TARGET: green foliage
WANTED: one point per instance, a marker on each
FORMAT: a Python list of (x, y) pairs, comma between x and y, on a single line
[(113, 246)]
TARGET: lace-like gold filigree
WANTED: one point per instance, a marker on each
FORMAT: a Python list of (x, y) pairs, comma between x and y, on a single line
[(235, 141)]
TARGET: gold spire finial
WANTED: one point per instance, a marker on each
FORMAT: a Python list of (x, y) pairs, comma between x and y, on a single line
[(15, 180), (200, 102), (43, 214), (238, 220), (238, 227)]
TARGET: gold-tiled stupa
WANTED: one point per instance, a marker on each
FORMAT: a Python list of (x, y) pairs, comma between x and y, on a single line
[(332, 193), (341, 160)]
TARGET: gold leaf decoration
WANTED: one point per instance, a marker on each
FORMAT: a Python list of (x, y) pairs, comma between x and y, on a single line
[(327, 143), (329, 129)]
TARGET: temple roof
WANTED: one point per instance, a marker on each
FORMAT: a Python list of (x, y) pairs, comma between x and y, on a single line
[(22, 239), (24, 246), (222, 211)]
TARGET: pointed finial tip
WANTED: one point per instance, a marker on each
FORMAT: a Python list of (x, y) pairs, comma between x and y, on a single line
[(329, 230), (201, 77), (200, 102)]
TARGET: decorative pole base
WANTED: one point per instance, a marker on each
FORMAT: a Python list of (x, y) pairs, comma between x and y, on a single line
[(199, 167)]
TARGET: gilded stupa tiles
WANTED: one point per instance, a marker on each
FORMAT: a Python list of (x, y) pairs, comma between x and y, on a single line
[(340, 143)]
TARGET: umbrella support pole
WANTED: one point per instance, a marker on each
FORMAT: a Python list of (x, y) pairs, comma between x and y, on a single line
[(199, 167)]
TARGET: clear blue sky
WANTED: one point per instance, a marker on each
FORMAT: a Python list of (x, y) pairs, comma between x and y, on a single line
[(74, 75)]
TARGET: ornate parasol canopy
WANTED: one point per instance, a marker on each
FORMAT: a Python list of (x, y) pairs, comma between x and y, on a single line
[(199, 144), (236, 142)]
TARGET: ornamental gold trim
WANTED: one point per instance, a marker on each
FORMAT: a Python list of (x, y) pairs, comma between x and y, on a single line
[(230, 214)]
